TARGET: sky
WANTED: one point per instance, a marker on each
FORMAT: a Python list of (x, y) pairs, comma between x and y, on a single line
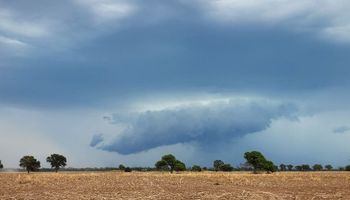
[(109, 82)]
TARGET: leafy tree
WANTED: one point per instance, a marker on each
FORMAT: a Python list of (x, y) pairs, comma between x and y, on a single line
[(196, 168), (347, 168), (283, 167), (29, 163), (306, 167), (303, 167), (1, 165), (328, 167), (205, 168), (127, 169), (226, 168), (179, 166), (162, 165), (56, 161), (290, 167), (218, 165), (169, 162), (121, 167), (317, 167), (258, 161)]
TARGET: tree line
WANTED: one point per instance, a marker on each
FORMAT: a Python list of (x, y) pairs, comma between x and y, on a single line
[(255, 162)]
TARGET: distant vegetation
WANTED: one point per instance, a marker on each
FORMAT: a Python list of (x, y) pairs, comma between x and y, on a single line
[(57, 161), (255, 161), (170, 163), (29, 163)]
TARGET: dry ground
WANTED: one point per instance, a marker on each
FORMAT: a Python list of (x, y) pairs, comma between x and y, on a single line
[(155, 185)]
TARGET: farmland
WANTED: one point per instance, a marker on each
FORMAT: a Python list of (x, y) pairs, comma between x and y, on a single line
[(186, 185)]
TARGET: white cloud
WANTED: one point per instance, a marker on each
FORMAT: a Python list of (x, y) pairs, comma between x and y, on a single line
[(13, 23), (108, 10), (12, 42), (329, 19)]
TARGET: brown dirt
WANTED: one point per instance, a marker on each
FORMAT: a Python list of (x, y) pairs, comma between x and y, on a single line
[(154, 185)]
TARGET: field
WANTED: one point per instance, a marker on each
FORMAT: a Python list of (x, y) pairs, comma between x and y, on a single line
[(156, 185)]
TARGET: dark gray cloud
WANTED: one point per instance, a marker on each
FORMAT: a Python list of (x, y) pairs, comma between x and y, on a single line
[(163, 47), (341, 129), (205, 125), (96, 139)]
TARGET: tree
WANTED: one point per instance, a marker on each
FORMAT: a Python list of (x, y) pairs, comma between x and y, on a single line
[(1, 165), (218, 165), (169, 162), (127, 169), (283, 167), (258, 161), (317, 167), (290, 167), (305, 167), (29, 163), (196, 168), (179, 166), (270, 167), (347, 168), (298, 168), (57, 161), (328, 167), (121, 167), (226, 168)]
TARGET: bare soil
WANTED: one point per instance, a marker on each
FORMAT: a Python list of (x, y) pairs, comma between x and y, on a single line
[(157, 185)]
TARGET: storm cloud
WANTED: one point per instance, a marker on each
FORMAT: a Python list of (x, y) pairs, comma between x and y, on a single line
[(206, 125)]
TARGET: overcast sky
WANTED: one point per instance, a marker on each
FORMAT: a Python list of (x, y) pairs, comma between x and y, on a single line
[(106, 82)]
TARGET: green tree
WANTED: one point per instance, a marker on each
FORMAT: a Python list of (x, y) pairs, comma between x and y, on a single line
[(305, 167), (29, 163), (283, 167), (328, 167), (1, 165), (226, 168), (57, 161), (259, 162), (179, 166), (127, 169), (317, 167), (217, 164), (121, 167), (347, 168), (169, 162), (290, 167), (269, 166), (196, 168)]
